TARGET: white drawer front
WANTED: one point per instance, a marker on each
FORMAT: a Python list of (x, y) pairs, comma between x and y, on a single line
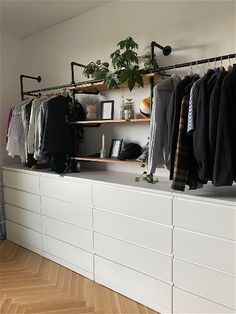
[(68, 253), (21, 181), (209, 251), (143, 233), (211, 284), (71, 213), (22, 199), (213, 219), (144, 289), (147, 261), (139, 204), (24, 235), (23, 217), (71, 234), (186, 302), (65, 190)]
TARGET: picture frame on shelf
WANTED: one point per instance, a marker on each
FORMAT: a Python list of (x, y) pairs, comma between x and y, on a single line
[(107, 109), (115, 149)]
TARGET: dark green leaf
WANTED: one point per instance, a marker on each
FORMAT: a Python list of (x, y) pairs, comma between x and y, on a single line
[(131, 83)]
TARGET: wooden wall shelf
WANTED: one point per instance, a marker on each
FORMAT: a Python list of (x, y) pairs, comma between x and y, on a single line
[(107, 160), (87, 122), (101, 86)]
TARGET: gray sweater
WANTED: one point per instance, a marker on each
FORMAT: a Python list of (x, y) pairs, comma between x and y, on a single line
[(158, 136)]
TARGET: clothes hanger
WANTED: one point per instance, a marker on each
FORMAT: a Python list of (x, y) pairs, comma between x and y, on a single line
[(198, 69), (221, 68), (230, 65), (190, 73)]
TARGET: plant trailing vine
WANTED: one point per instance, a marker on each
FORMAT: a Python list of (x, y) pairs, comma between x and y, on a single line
[(147, 177)]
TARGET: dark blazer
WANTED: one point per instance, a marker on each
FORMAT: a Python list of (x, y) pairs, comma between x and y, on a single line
[(225, 154), (173, 116), (214, 105), (200, 134)]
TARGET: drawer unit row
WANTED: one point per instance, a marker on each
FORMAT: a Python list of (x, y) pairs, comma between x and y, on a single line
[(174, 254)]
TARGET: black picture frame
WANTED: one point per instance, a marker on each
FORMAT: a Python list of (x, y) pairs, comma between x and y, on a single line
[(107, 113), (115, 149)]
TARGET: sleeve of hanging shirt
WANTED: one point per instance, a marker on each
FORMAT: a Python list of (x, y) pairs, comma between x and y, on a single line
[(152, 162)]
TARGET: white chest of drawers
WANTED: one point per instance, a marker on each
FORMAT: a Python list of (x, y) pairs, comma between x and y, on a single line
[(173, 253)]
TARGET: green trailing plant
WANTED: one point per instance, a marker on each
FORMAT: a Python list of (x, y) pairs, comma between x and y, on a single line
[(125, 63), (96, 69), (147, 177), (149, 64)]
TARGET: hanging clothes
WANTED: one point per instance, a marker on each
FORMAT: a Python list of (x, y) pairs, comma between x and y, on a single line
[(185, 170), (200, 133), (214, 105), (224, 172), (16, 134), (58, 136), (181, 90), (158, 136)]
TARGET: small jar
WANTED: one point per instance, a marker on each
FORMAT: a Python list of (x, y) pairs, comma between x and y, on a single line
[(129, 105)]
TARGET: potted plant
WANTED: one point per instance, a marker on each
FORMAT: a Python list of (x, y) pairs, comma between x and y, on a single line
[(125, 63), (96, 70)]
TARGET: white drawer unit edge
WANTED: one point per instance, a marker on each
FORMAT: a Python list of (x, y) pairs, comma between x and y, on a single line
[(215, 286), (79, 215), (68, 253), (133, 203), (24, 236), (216, 253), (66, 190), (134, 230), (205, 217), (28, 182), (186, 302), (137, 286), (71, 234), (23, 217), (22, 199), (146, 261)]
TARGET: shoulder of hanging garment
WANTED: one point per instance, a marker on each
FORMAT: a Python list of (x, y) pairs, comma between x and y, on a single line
[(166, 84)]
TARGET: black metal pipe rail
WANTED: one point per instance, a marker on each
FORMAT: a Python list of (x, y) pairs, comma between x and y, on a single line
[(22, 76), (166, 52), (72, 65), (196, 62)]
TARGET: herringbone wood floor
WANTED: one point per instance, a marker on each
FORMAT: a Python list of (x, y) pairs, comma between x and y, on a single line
[(30, 283)]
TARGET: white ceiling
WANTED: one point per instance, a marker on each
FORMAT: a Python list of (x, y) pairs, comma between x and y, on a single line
[(26, 17)]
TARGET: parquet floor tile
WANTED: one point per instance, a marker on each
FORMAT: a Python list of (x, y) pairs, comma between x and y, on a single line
[(30, 284)]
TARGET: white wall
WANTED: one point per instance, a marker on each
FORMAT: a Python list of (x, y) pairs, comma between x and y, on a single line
[(195, 30), (10, 68)]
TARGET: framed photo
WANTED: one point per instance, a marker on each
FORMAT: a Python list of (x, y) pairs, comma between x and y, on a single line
[(107, 110), (116, 146)]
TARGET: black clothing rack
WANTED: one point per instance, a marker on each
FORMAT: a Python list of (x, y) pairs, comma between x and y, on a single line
[(166, 51), (22, 76)]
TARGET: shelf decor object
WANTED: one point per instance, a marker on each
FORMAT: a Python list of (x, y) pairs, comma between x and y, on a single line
[(107, 109), (103, 153)]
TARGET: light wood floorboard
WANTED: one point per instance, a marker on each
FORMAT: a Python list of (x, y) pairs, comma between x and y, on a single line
[(30, 283)]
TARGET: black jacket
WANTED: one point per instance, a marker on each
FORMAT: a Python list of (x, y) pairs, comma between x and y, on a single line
[(225, 153), (200, 134), (213, 117), (58, 134), (173, 116)]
